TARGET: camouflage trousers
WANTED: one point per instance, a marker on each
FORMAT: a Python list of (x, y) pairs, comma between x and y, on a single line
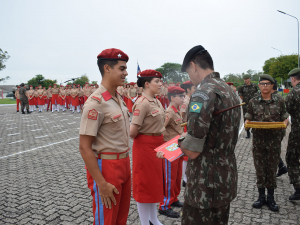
[(265, 162), (24, 103), (292, 158), (196, 216)]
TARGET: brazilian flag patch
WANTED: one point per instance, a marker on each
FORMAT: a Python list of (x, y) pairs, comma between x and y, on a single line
[(196, 107)]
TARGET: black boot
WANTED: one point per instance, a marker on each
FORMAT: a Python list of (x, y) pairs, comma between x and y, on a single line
[(23, 112), (28, 112), (248, 133), (270, 200), (169, 213), (296, 195), (177, 204), (261, 199), (183, 183)]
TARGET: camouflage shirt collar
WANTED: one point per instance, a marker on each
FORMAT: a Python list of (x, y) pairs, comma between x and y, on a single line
[(208, 77), (298, 85), (273, 98)]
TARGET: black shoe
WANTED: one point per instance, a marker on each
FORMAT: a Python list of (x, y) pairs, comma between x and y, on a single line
[(23, 112), (272, 204), (183, 183), (295, 196), (281, 171), (17, 110), (248, 134), (28, 112), (177, 204), (150, 222), (169, 213), (260, 202)]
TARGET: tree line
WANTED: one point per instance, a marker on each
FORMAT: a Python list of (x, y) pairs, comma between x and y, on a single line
[(277, 67)]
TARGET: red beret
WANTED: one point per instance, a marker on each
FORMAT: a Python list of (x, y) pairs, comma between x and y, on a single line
[(61, 85), (92, 84), (113, 54), (54, 84), (150, 73), (36, 87), (175, 90), (132, 83), (229, 83), (178, 84), (18, 86), (30, 85), (189, 83), (50, 86)]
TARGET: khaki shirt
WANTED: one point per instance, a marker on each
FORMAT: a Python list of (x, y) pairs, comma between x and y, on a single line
[(184, 108), (17, 94), (30, 93), (40, 92), (74, 92), (54, 91), (62, 92), (35, 93), (149, 114), (49, 93), (120, 90), (92, 90), (172, 123), (132, 92), (107, 118), (80, 92)]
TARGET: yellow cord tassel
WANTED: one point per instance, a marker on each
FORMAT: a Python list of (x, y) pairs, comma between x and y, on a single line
[(265, 125)]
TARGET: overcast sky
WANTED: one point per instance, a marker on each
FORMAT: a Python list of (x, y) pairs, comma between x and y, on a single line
[(61, 39)]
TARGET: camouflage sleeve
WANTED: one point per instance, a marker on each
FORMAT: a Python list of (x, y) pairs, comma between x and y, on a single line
[(283, 114), (200, 111), (249, 114), (240, 91), (288, 102)]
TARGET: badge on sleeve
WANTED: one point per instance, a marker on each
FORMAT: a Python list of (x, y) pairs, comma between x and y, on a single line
[(196, 107), (93, 114), (136, 112), (183, 106)]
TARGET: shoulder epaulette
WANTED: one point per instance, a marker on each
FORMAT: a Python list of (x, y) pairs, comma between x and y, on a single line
[(96, 98)]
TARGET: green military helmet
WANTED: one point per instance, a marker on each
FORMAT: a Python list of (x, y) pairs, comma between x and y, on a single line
[(247, 76), (294, 72), (266, 77)]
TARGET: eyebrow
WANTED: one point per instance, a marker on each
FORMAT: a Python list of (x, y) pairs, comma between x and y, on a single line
[(124, 67)]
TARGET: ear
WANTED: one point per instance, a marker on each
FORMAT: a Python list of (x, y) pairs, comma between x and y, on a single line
[(106, 68), (193, 66)]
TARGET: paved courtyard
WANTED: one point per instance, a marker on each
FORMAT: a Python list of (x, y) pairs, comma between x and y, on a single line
[(43, 180)]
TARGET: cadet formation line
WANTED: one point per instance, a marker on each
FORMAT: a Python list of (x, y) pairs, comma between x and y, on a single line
[(157, 111)]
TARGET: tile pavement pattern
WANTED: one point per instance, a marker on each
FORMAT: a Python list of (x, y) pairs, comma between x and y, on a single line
[(43, 180)]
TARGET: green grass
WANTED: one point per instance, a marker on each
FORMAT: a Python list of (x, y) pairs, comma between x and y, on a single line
[(7, 101)]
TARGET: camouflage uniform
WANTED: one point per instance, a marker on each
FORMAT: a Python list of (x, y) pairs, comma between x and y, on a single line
[(293, 149), (212, 176), (266, 142), (23, 99), (247, 92)]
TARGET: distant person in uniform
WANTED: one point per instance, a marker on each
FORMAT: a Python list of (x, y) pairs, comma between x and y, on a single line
[(172, 170), (281, 166), (24, 99), (246, 92), (17, 95), (189, 88), (104, 142), (266, 107), (209, 143), (292, 102)]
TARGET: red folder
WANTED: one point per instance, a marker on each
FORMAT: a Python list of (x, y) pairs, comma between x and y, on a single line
[(170, 149)]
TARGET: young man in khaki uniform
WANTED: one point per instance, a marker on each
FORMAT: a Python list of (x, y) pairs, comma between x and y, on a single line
[(172, 170), (104, 142), (17, 95)]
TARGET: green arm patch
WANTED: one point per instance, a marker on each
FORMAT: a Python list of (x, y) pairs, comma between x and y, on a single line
[(196, 107)]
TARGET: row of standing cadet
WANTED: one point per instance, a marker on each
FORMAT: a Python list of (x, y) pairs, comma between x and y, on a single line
[(58, 98)]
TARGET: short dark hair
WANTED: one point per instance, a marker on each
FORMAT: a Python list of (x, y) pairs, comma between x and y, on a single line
[(297, 77), (22, 85), (204, 61), (102, 62), (142, 80), (170, 95), (186, 86)]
